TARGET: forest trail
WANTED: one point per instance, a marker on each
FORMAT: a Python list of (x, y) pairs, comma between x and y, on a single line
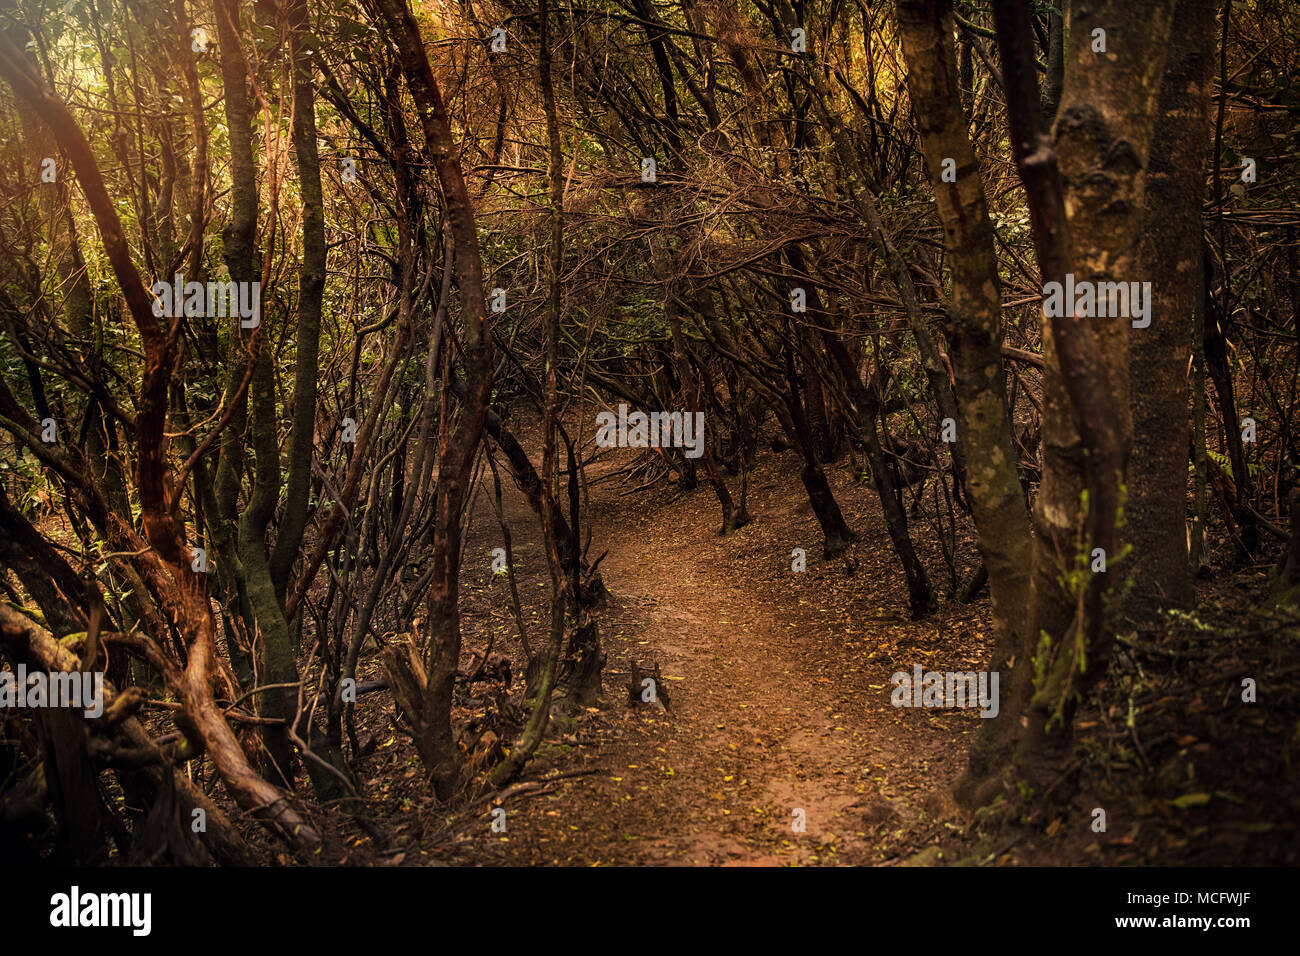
[(778, 686), (293, 294), (751, 737)]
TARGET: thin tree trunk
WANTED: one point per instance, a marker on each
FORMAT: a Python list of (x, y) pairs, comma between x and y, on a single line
[(546, 670), (993, 480), (1156, 510), (442, 654), (311, 288)]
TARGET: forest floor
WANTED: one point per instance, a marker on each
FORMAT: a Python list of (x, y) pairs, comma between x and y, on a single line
[(778, 709)]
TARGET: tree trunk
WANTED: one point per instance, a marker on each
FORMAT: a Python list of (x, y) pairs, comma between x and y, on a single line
[(1156, 510), (311, 288), (1092, 165), (443, 651), (993, 480)]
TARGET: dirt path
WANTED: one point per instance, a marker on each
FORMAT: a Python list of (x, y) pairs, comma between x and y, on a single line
[(779, 700), (778, 696)]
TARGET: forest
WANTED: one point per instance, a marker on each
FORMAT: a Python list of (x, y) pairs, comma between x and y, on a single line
[(649, 432)]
